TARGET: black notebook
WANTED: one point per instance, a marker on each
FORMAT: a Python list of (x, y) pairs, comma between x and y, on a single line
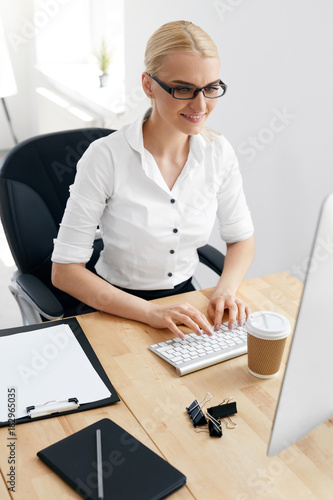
[(131, 471)]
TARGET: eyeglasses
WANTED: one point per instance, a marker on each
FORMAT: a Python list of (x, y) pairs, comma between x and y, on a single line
[(185, 92)]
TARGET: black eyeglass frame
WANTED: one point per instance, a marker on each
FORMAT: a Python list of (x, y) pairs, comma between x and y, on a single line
[(171, 90)]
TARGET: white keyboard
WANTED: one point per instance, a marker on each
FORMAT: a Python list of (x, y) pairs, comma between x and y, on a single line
[(195, 352)]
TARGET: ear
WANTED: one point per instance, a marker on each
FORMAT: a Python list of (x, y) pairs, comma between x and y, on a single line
[(146, 85)]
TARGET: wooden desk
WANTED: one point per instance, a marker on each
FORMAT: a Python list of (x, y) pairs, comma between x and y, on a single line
[(153, 405)]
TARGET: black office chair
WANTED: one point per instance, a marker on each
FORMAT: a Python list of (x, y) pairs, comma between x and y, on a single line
[(34, 186)]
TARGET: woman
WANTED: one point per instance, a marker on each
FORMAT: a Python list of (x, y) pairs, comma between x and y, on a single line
[(154, 187)]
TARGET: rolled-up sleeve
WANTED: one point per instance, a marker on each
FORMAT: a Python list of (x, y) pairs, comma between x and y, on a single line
[(234, 217), (85, 206)]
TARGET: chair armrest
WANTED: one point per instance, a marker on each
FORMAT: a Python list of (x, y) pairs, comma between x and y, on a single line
[(212, 258), (39, 296)]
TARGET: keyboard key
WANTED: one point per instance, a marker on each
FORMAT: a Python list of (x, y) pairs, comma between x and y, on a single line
[(168, 355), (176, 359), (162, 349)]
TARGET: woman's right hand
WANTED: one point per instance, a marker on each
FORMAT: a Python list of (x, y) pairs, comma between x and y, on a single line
[(178, 314), (92, 290)]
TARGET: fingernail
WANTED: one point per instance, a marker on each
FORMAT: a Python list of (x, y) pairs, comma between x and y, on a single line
[(217, 327), (231, 327), (240, 322), (211, 331), (199, 332)]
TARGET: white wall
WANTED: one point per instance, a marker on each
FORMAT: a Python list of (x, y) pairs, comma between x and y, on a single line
[(276, 59), (18, 22), (278, 112)]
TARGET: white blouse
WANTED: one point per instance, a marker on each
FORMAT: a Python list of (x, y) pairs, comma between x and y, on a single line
[(150, 232)]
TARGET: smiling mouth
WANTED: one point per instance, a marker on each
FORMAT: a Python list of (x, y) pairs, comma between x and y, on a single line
[(193, 117)]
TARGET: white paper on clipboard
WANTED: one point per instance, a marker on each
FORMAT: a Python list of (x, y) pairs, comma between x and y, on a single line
[(46, 365)]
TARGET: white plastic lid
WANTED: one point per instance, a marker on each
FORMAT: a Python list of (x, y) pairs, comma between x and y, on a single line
[(268, 325)]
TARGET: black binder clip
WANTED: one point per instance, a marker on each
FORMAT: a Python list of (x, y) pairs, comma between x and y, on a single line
[(195, 411), (214, 426), (223, 411)]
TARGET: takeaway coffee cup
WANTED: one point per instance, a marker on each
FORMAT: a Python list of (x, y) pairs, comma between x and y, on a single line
[(267, 333)]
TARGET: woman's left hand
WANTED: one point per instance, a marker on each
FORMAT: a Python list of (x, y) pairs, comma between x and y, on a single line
[(219, 302)]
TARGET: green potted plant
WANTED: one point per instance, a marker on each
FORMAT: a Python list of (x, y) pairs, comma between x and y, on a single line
[(104, 58)]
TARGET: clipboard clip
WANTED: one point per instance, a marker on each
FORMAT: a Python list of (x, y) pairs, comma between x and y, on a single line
[(53, 407)]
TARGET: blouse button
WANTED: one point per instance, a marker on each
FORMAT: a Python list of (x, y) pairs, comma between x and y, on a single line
[(169, 274), (172, 251), (175, 230), (172, 200)]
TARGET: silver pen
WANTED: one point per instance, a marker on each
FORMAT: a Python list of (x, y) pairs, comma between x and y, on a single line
[(100, 487)]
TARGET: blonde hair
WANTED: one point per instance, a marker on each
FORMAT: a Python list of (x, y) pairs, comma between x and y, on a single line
[(177, 36)]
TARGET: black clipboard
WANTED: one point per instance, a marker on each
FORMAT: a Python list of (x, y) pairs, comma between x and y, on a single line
[(91, 355)]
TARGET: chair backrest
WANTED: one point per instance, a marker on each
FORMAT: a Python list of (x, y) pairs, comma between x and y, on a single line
[(34, 187)]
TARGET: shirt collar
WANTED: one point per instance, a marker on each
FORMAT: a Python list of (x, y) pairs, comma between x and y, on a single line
[(133, 133), (197, 147), (134, 138)]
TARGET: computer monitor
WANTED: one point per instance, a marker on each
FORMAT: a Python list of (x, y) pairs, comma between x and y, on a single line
[(306, 396)]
